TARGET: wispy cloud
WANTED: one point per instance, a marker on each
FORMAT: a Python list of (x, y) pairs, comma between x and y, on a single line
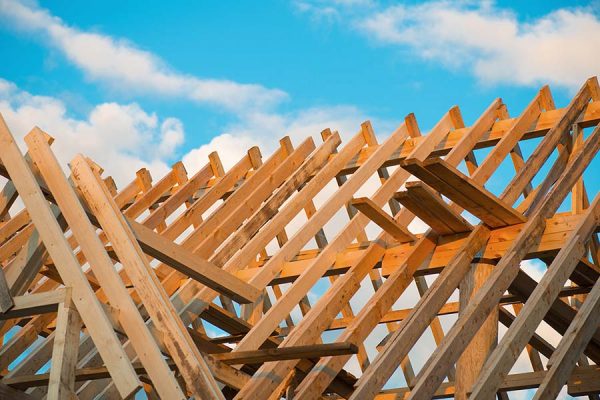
[(120, 137), (485, 39), (266, 128), (124, 137), (121, 65)]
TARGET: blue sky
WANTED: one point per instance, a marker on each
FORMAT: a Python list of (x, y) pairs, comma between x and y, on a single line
[(259, 70), (148, 83)]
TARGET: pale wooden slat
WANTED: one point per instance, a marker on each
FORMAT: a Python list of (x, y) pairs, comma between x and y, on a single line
[(92, 313), (190, 362)]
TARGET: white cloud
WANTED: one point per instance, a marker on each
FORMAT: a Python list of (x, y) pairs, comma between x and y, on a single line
[(489, 41), (329, 9), (123, 137), (123, 66), (265, 129), (172, 136), (120, 138)]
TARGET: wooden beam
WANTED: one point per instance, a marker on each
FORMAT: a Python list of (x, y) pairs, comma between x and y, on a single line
[(8, 392), (470, 362), (192, 366), (382, 219), (519, 381), (102, 266), (61, 383), (572, 344), (463, 191), (411, 328), (287, 353), (6, 300), (35, 303), (536, 307), (431, 209), (191, 265), (24, 267), (466, 326), (51, 234), (584, 380), (247, 357), (7, 198)]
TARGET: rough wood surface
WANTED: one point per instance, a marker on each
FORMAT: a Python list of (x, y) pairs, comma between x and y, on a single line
[(323, 270)]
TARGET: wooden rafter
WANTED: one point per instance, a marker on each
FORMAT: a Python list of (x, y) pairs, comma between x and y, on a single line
[(224, 283)]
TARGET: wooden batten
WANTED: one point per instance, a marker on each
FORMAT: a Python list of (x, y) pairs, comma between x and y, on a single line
[(222, 282)]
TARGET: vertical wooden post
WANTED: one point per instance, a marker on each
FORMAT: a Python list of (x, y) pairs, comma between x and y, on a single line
[(472, 359), (64, 353)]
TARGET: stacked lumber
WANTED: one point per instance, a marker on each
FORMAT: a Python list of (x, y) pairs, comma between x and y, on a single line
[(288, 276)]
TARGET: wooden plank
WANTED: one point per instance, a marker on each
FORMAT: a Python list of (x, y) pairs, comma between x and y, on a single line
[(348, 285), (35, 303), (6, 300), (191, 265), (464, 192), (23, 268), (431, 209), (247, 357), (287, 353), (13, 225), (102, 266), (536, 307), (7, 198), (513, 382), (564, 359), (411, 328), (92, 313), (476, 192), (7, 392), (584, 380), (61, 381), (470, 362), (549, 142), (466, 326), (382, 219), (198, 378)]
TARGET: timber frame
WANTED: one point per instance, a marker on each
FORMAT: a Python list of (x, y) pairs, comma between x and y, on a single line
[(288, 277)]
